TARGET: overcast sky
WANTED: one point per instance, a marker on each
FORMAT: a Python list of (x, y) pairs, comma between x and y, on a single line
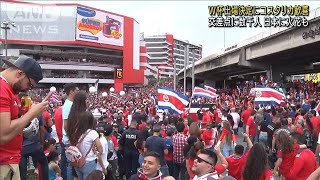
[(186, 20)]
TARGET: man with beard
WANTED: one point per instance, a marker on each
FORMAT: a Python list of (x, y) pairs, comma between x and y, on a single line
[(19, 76)]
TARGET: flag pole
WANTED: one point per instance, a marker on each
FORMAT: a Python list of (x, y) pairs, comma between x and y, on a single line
[(191, 99)]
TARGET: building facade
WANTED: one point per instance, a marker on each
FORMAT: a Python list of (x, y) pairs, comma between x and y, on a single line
[(75, 43), (162, 50)]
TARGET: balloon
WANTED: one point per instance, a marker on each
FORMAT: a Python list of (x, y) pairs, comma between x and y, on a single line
[(92, 89), (104, 94), (122, 93), (112, 89), (53, 89)]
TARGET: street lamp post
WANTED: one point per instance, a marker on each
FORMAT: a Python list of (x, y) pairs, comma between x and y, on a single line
[(193, 61), (186, 61), (5, 25), (174, 73)]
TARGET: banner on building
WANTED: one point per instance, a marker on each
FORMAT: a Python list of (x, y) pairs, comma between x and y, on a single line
[(315, 77), (98, 26)]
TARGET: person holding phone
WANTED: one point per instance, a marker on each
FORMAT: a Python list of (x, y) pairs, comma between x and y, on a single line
[(19, 76)]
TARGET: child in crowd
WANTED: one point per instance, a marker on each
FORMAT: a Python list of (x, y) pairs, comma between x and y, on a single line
[(54, 169), (49, 146)]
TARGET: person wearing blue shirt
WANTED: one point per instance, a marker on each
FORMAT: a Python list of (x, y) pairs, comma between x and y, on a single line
[(70, 89)]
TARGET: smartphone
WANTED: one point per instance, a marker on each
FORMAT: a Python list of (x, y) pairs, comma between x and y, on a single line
[(48, 96)]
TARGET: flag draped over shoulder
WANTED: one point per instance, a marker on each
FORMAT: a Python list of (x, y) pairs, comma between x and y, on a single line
[(172, 100), (266, 95)]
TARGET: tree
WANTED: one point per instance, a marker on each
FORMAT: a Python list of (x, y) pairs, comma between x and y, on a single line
[(151, 80)]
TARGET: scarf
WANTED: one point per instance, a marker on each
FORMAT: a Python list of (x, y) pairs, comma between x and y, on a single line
[(144, 177)]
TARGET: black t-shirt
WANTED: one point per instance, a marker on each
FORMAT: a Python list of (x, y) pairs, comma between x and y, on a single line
[(264, 126), (283, 129), (128, 138), (271, 128)]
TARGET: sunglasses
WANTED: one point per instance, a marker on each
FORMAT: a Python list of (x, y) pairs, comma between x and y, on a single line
[(31, 85), (200, 160)]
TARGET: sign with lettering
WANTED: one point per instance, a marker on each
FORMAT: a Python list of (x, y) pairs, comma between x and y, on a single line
[(119, 73), (315, 77), (100, 27), (36, 22), (312, 33)]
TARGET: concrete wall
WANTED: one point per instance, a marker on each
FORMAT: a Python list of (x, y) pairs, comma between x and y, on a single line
[(288, 40)]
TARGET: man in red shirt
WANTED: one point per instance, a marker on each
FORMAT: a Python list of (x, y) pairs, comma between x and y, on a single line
[(217, 114), (251, 127), (237, 161), (20, 76), (209, 136), (245, 115)]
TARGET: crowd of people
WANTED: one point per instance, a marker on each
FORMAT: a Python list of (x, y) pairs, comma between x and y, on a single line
[(76, 134)]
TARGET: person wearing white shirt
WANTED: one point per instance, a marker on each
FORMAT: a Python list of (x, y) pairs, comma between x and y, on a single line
[(88, 143), (236, 119), (105, 131)]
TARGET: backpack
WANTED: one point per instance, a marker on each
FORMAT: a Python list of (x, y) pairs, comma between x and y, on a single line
[(74, 155)]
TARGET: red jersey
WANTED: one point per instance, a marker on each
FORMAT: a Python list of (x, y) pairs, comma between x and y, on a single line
[(252, 126), (141, 126), (287, 160), (153, 111), (207, 117), (245, 115), (209, 137), (316, 124), (236, 164), (190, 161), (299, 130), (217, 115), (186, 130), (114, 141), (10, 152), (297, 118), (266, 175), (46, 116), (304, 164)]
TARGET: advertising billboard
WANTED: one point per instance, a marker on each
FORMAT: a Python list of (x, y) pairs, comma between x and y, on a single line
[(35, 22), (100, 27), (315, 77)]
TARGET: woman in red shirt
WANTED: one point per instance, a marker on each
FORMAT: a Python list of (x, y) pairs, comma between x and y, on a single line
[(286, 154), (256, 167)]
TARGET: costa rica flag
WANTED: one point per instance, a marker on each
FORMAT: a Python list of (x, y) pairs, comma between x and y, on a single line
[(171, 100), (265, 95)]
